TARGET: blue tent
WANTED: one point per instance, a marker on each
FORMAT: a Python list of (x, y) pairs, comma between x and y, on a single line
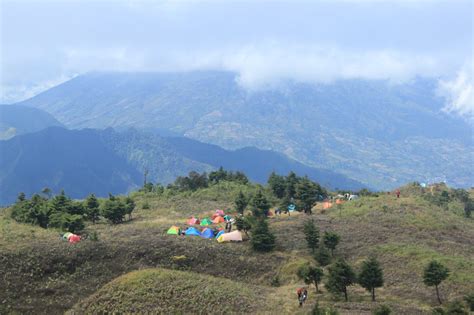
[(207, 233), (192, 231), (220, 233)]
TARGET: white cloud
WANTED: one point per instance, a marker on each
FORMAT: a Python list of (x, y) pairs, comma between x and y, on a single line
[(459, 92)]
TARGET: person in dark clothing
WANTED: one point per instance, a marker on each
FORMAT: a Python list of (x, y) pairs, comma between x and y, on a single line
[(302, 295)]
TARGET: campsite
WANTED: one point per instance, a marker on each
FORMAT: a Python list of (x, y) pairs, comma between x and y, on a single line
[(44, 273)]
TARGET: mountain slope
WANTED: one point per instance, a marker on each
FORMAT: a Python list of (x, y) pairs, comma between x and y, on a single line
[(103, 161), (373, 131), (257, 163), (17, 120)]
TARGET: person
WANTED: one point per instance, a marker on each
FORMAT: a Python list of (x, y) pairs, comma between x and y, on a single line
[(278, 211), (398, 193), (302, 295)]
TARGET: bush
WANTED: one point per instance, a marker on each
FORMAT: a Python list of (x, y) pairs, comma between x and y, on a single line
[(470, 301), (382, 310), (322, 256), (145, 205), (456, 308), (317, 310)]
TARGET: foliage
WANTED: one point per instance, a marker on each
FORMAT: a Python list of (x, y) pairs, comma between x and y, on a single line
[(129, 206), (434, 274), (331, 240), (223, 175), (383, 310), (277, 185), (456, 308), (192, 182), (371, 276), (241, 202), (260, 205), (318, 310), (91, 205), (340, 277), (470, 301), (323, 256), (114, 210), (311, 233), (242, 223), (262, 239), (310, 274)]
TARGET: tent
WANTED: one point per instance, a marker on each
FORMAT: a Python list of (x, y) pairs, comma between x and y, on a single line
[(220, 212), (227, 217), (339, 202), (215, 215), (218, 220), (205, 222), (327, 205), (192, 231), (207, 233), (74, 238), (291, 207), (192, 221), (270, 213), (174, 230), (220, 233), (67, 235), (235, 236)]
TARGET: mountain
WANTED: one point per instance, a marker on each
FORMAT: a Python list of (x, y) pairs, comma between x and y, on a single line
[(17, 120), (258, 164), (377, 132), (103, 161)]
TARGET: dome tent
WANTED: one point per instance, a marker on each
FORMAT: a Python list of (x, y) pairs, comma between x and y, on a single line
[(207, 233), (174, 230), (205, 222), (192, 231)]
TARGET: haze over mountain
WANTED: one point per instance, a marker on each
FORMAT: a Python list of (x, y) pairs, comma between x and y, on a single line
[(17, 120), (377, 132), (102, 161)]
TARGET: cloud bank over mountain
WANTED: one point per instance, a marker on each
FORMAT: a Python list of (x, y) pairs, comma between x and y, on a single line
[(316, 42)]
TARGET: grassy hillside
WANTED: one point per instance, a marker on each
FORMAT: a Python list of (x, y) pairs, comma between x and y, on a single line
[(166, 291), (43, 274)]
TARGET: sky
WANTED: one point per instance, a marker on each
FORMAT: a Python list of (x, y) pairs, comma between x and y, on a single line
[(44, 43)]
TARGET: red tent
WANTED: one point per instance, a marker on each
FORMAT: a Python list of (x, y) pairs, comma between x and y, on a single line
[(74, 238), (192, 221)]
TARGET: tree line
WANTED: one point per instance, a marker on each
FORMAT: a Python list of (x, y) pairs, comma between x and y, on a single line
[(66, 214)]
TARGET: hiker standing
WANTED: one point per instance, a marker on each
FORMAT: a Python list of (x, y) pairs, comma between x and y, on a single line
[(302, 295), (398, 193)]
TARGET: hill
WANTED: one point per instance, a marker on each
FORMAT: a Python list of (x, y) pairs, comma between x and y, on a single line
[(169, 290), (103, 161), (378, 133), (17, 120), (43, 274)]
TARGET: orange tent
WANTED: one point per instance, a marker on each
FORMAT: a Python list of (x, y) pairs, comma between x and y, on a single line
[(327, 205), (218, 219), (192, 221)]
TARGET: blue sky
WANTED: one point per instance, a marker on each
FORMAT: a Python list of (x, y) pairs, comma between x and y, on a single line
[(46, 42)]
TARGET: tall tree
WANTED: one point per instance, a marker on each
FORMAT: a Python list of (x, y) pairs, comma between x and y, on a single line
[(291, 181), (371, 276), (277, 185), (340, 277), (310, 274), (322, 256), (306, 192), (241, 202), (311, 233), (434, 274), (262, 239), (260, 205), (113, 209), (92, 208), (331, 239)]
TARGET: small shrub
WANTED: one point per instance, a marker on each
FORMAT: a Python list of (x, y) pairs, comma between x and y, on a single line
[(275, 281), (456, 308), (145, 205), (94, 236), (382, 310), (317, 310), (470, 301)]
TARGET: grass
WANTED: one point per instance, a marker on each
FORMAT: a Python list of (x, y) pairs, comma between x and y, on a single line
[(169, 291), (43, 275)]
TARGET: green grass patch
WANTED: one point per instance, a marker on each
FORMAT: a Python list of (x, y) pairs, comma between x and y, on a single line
[(171, 292)]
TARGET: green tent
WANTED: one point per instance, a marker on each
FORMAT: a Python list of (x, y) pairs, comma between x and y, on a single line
[(174, 230), (205, 222), (66, 236), (227, 217)]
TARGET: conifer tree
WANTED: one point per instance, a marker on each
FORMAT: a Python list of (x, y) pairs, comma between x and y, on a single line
[(371, 276), (260, 205), (340, 277), (92, 208), (331, 239), (241, 203), (434, 274), (311, 233), (262, 239)]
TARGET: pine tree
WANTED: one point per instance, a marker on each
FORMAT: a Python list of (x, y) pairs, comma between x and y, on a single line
[(260, 205), (371, 276), (241, 203), (331, 239), (113, 210), (434, 274), (340, 277), (310, 274), (92, 208), (322, 256), (277, 185), (311, 233), (306, 192), (262, 239)]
